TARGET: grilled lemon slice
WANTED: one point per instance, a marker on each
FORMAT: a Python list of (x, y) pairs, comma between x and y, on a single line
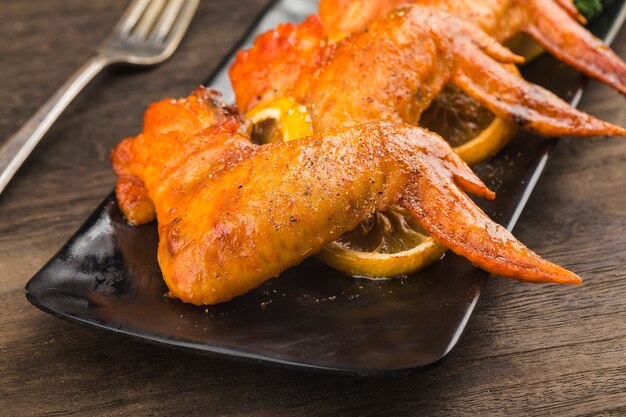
[(390, 244)]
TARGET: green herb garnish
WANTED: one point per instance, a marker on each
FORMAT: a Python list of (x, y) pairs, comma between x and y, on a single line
[(592, 8)]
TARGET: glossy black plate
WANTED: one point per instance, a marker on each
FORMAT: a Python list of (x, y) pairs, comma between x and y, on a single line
[(107, 275)]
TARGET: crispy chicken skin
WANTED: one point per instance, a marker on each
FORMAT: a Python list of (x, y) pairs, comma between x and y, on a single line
[(553, 23), (232, 214), (170, 136), (394, 69)]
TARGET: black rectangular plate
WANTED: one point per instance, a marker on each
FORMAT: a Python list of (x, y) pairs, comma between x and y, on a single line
[(107, 275)]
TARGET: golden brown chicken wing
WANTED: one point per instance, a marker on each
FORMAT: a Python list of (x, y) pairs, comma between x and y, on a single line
[(232, 215), (394, 69), (552, 23)]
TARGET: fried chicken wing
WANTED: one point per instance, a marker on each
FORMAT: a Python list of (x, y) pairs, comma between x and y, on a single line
[(555, 24), (232, 214), (394, 69)]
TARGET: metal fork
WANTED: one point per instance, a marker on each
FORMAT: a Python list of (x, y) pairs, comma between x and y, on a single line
[(147, 34)]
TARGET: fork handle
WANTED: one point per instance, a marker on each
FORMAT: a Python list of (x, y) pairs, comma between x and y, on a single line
[(16, 149)]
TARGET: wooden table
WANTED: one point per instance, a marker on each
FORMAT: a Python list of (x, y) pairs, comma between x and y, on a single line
[(527, 350)]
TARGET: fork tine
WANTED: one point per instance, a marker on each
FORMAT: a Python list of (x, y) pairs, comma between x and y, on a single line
[(182, 23), (131, 16), (167, 19), (152, 13)]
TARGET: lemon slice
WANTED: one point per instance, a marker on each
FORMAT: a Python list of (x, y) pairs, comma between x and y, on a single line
[(474, 132), (390, 244), (280, 120)]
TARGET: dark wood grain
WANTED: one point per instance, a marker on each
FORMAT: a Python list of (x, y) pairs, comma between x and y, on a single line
[(542, 350)]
